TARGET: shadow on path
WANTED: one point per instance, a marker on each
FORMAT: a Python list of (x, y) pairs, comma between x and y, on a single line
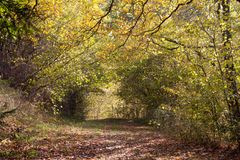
[(115, 140)]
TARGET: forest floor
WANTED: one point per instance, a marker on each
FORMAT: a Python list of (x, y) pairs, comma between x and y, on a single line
[(103, 139)]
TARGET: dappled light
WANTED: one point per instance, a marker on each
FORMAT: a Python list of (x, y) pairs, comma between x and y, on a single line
[(120, 79), (105, 139)]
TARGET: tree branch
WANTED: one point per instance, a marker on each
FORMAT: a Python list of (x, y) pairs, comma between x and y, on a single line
[(97, 25), (133, 26), (157, 28)]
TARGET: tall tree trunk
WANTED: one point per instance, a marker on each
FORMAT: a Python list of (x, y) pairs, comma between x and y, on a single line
[(230, 72)]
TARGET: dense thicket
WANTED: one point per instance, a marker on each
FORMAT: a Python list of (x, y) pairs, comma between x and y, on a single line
[(15, 45)]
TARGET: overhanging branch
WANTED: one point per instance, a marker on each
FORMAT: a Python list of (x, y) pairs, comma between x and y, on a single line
[(97, 25)]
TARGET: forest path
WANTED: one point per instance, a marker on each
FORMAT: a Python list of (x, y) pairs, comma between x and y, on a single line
[(105, 140)]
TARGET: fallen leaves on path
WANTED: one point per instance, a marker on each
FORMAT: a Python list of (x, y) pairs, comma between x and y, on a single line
[(123, 141)]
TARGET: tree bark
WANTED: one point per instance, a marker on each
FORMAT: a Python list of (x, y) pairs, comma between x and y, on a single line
[(230, 72)]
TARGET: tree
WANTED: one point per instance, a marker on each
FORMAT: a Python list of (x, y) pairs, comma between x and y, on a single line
[(230, 71), (209, 51), (233, 97)]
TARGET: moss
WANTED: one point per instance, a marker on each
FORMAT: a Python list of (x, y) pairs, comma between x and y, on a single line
[(10, 154), (32, 153)]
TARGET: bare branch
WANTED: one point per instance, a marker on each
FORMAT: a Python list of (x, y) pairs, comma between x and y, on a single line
[(129, 33), (33, 8), (162, 46), (97, 25), (157, 28)]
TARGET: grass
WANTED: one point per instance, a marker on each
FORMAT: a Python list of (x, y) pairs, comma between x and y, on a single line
[(41, 130), (68, 138), (17, 154)]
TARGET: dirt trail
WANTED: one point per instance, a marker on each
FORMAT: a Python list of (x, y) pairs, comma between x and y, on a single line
[(113, 141)]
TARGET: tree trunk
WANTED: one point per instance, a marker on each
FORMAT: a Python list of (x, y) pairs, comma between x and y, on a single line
[(230, 72)]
